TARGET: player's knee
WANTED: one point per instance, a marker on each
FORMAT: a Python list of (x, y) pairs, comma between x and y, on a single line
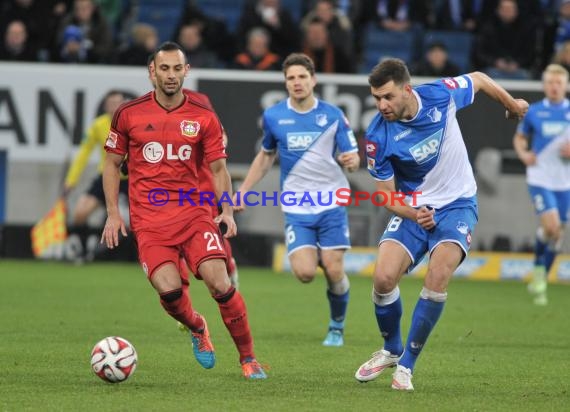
[(553, 231), (304, 275), (385, 286), (171, 296), (80, 217), (385, 282), (219, 285)]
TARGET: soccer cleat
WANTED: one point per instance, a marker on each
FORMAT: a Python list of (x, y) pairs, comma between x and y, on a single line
[(203, 348), (334, 338), (541, 299), (375, 366), (182, 327), (251, 369), (402, 379), (538, 284)]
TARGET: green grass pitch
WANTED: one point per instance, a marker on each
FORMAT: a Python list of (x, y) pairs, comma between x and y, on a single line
[(491, 351)]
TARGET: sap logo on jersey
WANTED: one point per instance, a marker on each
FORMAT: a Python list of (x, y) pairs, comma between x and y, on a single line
[(153, 152), (553, 128), (301, 141), (428, 148)]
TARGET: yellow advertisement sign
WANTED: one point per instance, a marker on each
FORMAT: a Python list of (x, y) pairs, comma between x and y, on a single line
[(477, 266)]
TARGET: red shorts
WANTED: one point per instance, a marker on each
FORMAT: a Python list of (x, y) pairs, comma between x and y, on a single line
[(203, 242), (230, 264)]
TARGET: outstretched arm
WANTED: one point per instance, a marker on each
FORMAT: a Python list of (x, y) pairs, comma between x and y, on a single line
[(259, 168), (520, 144), (516, 108), (349, 160), (423, 216)]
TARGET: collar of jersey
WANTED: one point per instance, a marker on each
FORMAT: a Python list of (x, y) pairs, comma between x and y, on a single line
[(290, 106)]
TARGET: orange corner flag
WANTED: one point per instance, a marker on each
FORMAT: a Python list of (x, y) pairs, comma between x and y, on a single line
[(50, 233)]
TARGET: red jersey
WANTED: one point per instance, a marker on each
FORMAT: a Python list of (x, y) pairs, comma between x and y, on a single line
[(166, 150), (204, 173)]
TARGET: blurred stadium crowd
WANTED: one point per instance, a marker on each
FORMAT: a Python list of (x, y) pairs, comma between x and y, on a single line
[(505, 38)]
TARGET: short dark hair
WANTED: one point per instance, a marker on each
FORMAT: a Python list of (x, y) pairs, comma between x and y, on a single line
[(299, 59), (437, 45), (169, 46), (150, 59), (389, 70)]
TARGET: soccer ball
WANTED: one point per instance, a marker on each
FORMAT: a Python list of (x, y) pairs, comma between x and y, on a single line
[(113, 359)]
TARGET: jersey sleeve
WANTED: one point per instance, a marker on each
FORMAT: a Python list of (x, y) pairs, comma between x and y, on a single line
[(269, 142), (345, 140), (378, 164), (117, 141), (525, 125), (212, 140), (461, 90)]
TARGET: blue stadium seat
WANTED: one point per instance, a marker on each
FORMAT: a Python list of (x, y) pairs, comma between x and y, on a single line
[(163, 15), (227, 11), (459, 45), (295, 7), (380, 44)]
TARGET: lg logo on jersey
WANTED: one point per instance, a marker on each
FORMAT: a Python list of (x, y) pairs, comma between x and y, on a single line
[(153, 152), (427, 149)]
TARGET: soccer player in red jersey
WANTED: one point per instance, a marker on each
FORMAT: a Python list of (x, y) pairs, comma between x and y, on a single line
[(206, 181), (162, 132)]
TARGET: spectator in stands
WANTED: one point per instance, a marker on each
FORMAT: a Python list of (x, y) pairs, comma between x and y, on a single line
[(436, 63), (96, 33), (275, 19), (402, 15), (74, 47), (338, 24), (562, 56), (198, 54), (112, 10), (460, 15), (318, 46), (28, 12), (505, 46), (15, 46), (563, 26), (257, 54), (144, 40), (213, 32)]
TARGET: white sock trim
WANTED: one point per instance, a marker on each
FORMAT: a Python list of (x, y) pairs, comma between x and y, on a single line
[(432, 295), (385, 299), (340, 287), (540, 234)]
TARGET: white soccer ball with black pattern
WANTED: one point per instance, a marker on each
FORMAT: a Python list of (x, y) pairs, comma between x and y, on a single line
[(114, 359)]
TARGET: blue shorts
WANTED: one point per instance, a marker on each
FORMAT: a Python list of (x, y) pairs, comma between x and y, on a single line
[(325, 230), (545, 199), (453, 224)]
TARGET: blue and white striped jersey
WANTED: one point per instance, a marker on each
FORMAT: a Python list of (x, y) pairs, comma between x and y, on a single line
[(307, 144), (546, 125), (426, 154)]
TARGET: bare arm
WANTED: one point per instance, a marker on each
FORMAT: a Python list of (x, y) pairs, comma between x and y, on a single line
[(520, 144), (259, 168), (422, 216), (349, 160), (223, 184), (516, 108), (111, 180)]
